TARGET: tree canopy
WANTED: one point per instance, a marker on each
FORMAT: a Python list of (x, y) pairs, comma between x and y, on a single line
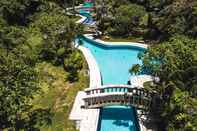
[(129, 20), (159, 19), (32, 32), (175, 63)]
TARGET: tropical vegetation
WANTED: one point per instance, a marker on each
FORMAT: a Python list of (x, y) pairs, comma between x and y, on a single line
[(41, 72), (38, 65), (171, 57), (152, 20), (174, 62)]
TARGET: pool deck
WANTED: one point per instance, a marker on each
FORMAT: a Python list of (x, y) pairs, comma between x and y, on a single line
[(139, 80), (87, 119)]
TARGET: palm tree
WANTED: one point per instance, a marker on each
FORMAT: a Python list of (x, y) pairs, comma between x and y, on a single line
[(184, 79), (80, 42), (135, 69)]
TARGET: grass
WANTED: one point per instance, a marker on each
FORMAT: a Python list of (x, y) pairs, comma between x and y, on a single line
[(58, 95), (75, 18), (120, 39)]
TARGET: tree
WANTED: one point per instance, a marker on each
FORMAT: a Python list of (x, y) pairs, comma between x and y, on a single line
[(72, 64), (135, 69), (10, 38), (175, 63), (18, 11), (129, 20), (175, 18), (161, 20), (31, 31), (58, 31), (18, 85)]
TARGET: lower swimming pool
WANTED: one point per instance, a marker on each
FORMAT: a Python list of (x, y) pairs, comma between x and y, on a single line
[(114, 63), (118, 118)]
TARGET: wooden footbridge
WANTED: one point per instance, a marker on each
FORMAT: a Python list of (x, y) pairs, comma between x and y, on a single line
[(117, 95)]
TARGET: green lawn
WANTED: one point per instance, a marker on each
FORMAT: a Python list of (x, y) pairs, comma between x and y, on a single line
[(58, 94), (120, 39)]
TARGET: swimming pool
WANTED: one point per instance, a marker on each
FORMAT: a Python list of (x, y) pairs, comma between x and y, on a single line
[(114, 63), (118, 118), (89, 20)]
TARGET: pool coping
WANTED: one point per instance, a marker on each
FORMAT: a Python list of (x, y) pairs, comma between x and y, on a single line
[(95, 81), (83, 18), (105, 43), (86, 119), (90, 117)]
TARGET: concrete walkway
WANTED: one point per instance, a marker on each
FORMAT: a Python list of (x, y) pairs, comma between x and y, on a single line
[(87, 119), (139, 80)]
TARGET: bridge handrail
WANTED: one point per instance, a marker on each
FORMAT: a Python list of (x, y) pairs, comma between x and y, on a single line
[(108, 86), (113, 94), (126, 89), (120, 98)]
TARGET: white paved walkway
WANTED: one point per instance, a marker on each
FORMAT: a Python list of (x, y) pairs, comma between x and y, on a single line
[(139, 80), (88, 118)]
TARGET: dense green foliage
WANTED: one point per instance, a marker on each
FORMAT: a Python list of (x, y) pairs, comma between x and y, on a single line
[(32, 32), (37, 59), (131, 19), (172, 25), (174, 62), (152, 19), (18, 86)]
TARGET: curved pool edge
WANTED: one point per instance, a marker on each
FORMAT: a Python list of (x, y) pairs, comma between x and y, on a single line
[(94, 71), (109, 44), (91, 116), (141, 125)]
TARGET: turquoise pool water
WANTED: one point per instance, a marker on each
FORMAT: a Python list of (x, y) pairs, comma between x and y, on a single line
[(89, 19), (114, 63), (118, 118)]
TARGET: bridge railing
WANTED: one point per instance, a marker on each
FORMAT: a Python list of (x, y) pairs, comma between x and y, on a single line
[(117, 99), (118, 88), (118, 94)]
